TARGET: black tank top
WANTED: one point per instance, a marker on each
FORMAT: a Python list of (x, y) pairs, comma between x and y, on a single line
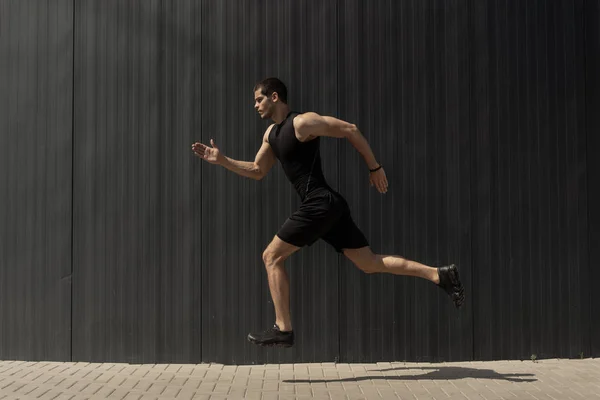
[(301, 161)]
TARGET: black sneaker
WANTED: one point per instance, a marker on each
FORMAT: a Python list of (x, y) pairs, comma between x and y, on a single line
[(272, 337), (450, 282)]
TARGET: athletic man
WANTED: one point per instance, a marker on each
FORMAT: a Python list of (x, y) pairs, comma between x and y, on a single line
[(323, 214)]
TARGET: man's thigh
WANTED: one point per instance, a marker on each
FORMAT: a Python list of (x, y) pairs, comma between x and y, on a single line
[(345, 235), (309, 223)]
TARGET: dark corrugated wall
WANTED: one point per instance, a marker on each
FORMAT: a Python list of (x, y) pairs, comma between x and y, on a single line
[(137, 205), (592, 41), (36, 76), (479, 110), (403, 77), (530, 249)]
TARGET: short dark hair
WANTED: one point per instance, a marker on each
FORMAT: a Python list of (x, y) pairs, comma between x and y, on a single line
[(270, 85)]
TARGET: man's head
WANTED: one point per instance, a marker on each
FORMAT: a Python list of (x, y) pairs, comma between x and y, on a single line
[(268, 95)]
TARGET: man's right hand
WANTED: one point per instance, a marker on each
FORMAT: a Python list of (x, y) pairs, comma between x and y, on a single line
[(210, 154)]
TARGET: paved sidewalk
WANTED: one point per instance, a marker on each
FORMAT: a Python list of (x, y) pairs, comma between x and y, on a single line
[(545, 379)]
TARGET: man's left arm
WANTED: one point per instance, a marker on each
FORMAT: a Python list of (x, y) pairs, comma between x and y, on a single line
[(310, 125)]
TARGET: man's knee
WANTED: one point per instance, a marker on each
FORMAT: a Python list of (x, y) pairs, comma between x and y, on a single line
[(277, 252), (271, 257), (267, 256)]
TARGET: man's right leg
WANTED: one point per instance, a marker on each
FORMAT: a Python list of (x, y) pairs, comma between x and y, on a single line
[(314, 217), (281, 334), (274, 256)]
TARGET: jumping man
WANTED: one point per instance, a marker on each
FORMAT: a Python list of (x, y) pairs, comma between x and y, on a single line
[(294, 140)]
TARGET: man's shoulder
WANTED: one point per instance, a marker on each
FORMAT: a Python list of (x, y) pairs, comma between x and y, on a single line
[(307, 114), (304, 117), (267, 132)]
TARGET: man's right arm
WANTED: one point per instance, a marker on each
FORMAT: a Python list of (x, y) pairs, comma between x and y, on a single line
[(265, 158)]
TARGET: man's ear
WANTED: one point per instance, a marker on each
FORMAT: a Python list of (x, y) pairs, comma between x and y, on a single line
[(274, 97)]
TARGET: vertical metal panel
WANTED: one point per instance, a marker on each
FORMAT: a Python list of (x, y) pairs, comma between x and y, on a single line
[(592, 41), (35, 179), (136, 207), (404, 82), (241, 44), (530, 226)]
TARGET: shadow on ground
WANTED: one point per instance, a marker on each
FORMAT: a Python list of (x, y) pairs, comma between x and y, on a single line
[(441, 373)]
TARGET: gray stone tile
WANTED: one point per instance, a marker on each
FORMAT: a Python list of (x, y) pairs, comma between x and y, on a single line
[(551, 379)]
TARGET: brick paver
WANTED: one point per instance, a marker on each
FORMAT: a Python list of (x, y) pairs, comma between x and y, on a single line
[(545, 379)]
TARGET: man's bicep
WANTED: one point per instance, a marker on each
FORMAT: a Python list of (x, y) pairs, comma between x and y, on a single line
[(338, 128), (265, 158)]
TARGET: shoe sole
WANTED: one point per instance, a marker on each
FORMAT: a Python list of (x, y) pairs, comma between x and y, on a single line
[(285, 345)]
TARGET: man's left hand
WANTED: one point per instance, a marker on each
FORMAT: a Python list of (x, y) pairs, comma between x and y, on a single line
[(379, 180)]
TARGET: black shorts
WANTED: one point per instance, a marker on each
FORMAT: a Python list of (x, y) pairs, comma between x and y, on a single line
[(323, 216)]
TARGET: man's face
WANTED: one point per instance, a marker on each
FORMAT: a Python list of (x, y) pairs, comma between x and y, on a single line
[(263, 105)]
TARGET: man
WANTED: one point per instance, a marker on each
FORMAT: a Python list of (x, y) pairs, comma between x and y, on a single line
[(323, 214)]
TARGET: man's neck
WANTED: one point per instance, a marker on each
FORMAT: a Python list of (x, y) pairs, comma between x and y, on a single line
[(280, 114)]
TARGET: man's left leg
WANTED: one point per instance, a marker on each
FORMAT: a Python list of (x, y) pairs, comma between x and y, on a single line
[(370, 263), (445, 277)]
